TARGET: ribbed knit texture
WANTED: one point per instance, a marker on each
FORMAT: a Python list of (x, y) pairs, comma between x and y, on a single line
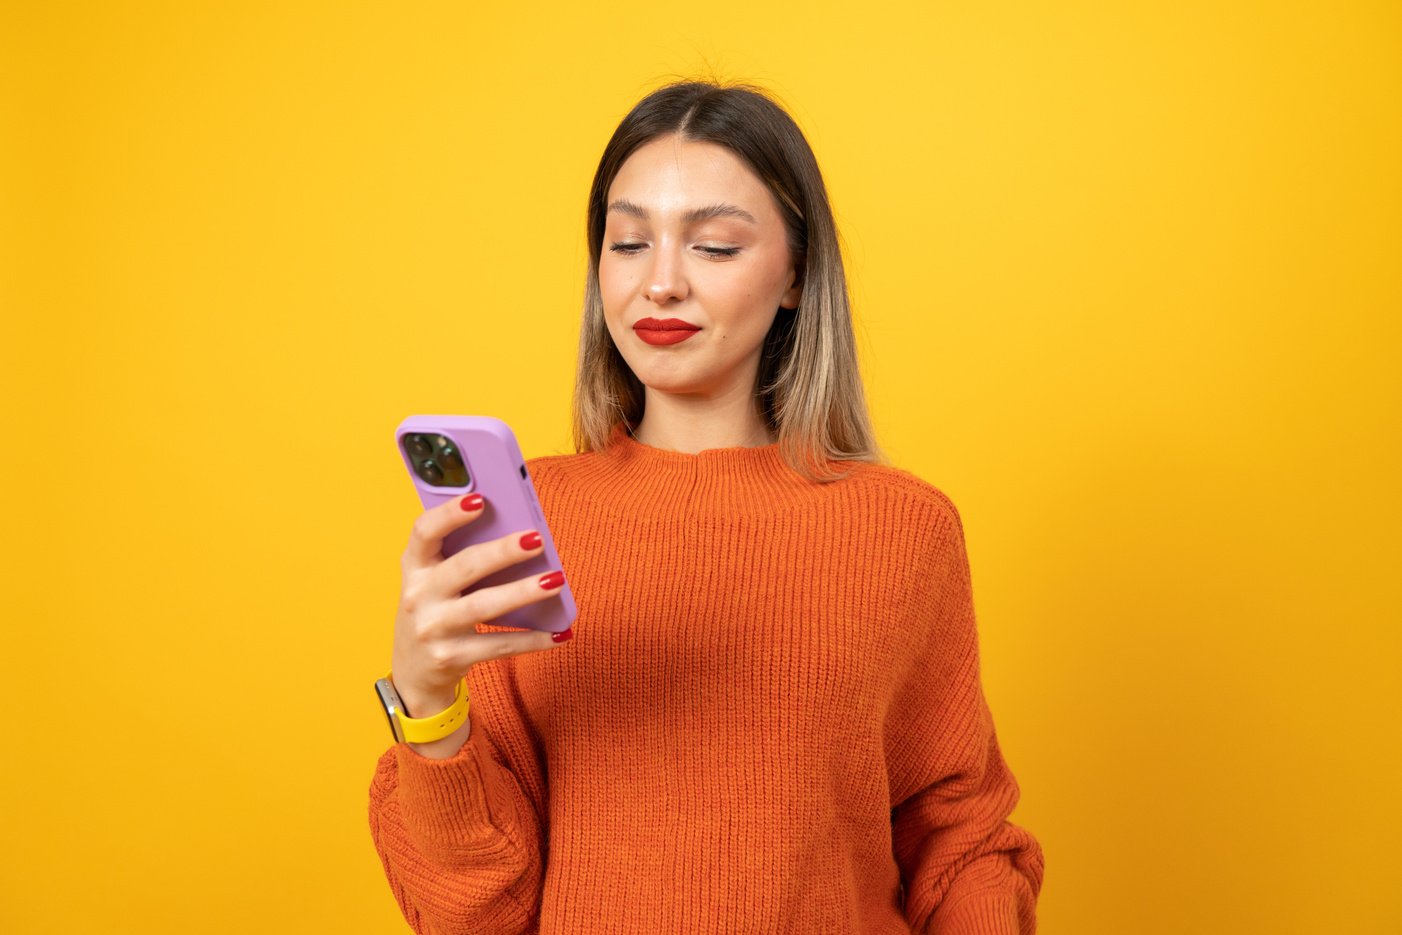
[(770, 719)]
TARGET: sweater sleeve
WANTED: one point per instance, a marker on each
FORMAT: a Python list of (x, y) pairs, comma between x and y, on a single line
[(462, 840), (965, 869)]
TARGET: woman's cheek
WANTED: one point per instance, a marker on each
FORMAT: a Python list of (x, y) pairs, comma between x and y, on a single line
[(612, 296)]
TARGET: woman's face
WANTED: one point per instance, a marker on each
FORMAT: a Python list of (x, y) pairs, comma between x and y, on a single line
[(692, 234)]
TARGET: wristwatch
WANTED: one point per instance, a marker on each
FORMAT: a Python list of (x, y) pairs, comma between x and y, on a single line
[(408, 729)]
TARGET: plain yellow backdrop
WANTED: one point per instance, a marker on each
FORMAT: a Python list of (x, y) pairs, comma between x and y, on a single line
[(1126, 284)]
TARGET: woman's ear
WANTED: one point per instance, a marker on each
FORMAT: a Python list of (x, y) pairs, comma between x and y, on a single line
[(792, 295)]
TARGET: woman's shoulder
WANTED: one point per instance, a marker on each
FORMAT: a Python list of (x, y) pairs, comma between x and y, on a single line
[(553, 461), (545, 466), (904, 488), (550, 470)]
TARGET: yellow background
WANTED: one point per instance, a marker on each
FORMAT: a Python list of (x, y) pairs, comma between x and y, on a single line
[(1127, 288)]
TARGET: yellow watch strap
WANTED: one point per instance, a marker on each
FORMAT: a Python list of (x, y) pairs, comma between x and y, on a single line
[(436, 726)]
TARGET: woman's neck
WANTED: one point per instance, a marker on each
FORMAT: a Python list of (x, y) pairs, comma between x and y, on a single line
[(662, 427), (692, 442)]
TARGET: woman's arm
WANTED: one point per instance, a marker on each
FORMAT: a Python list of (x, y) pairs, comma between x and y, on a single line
[(462, 838), (965, 868)]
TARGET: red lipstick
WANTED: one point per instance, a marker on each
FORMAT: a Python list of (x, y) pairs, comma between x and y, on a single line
[(659, 331)]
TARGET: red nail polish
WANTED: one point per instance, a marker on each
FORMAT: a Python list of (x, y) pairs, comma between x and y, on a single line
[(563, 635), (472, 501), (530, 540), (552, 581)]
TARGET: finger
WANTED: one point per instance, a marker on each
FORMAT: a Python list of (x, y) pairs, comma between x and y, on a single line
[(455, 573), (467, 651), (498, 645), (485, 605), (433, 525)]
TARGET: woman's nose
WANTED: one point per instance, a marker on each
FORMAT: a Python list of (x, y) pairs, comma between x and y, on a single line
[(666, 279)]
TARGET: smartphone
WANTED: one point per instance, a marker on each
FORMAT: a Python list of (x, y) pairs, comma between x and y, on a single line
[(450, 456)]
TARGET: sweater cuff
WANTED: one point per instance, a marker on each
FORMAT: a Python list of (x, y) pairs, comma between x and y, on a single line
[(981, 914), (984, 900), (457, 805)]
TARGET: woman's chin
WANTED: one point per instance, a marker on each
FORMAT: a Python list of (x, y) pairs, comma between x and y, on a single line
[(675, 380)]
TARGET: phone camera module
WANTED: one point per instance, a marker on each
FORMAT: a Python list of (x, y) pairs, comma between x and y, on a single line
[(450, 462), (436, 460)]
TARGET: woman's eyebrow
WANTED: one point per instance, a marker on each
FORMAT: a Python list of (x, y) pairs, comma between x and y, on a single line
[(695, 215)]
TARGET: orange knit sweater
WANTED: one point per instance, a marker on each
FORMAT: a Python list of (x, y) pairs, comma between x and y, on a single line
[(770, 719)]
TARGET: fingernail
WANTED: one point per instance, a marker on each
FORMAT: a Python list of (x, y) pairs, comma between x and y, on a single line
[(530, 540), (563, 635), (471, 502), (552, 581)]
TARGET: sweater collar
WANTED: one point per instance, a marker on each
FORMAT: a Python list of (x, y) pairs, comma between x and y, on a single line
[(738, 456), (652, 478)]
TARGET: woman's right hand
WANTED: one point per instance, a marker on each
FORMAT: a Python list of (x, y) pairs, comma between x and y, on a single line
[(435, 630)]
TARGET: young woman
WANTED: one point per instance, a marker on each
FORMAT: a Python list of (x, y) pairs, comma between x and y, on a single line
[(770, 718)]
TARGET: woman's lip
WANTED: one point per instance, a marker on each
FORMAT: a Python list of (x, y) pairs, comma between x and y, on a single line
[(665, 324), (653, 336)]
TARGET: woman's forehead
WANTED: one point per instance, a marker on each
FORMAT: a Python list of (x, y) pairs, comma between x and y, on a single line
[(690, 182)]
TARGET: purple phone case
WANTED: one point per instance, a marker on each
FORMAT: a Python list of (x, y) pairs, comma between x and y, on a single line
[(496, 469)]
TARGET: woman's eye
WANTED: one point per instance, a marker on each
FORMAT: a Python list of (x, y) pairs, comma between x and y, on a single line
[(628, 249)]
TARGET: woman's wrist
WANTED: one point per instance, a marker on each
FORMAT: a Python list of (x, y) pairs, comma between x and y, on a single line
[(445, 747), (430, 704), (426, 704)]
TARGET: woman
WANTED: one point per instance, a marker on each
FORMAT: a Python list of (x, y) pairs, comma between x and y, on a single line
[(771, 718)]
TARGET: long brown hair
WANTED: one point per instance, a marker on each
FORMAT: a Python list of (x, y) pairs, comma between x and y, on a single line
[(808, 385)]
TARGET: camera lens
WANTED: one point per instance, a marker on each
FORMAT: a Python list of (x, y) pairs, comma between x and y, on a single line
[(417, 447), (449, 458), (430, 472)]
